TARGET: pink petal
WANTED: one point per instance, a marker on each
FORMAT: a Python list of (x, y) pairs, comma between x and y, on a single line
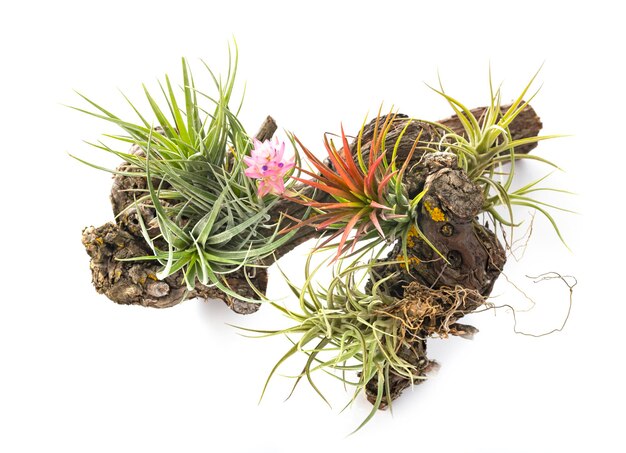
[(253, 172), (288, 165), (277, 186), (279, 151), (263, 188)]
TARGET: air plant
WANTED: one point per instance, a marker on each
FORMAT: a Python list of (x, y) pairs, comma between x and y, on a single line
[(364, 193), (488, 153), (211, 220), (356, 331), (342, 329)]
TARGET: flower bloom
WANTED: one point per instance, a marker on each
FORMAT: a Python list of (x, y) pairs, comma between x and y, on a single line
[(267, 164)]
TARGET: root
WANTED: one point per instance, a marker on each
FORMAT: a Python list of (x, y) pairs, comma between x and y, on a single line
[(423, 312), (569, 281), (426, 312)]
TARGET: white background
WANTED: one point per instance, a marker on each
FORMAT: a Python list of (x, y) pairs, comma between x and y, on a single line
[(80, 373)]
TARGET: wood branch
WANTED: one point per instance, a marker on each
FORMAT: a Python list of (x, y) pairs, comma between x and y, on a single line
[(127, 283), (267, 129), (460, 254)]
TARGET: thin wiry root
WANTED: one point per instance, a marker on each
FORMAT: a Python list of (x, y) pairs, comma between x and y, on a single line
[(569, 280)]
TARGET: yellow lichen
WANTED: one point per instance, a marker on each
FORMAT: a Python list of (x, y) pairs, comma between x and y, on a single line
[(100, 241), (412, 261), (435, 212), (410, 236)]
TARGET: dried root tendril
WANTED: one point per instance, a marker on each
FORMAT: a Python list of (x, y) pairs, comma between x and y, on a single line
[(424, 311), (569, 280)]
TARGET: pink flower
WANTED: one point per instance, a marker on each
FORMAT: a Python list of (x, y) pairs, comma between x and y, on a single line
[(267, 164)]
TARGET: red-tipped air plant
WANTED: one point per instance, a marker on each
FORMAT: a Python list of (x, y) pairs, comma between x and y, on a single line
[(367, 196)]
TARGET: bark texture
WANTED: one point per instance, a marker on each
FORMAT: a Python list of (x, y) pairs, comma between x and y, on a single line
[(435, 290)]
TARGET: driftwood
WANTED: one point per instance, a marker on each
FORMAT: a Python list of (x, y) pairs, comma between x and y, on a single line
[(473, 261), (474, 255), (133, 283), (433, 291)]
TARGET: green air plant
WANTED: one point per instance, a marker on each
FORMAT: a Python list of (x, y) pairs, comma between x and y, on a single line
[(211, 219), (355, 331), (488, 153), (361, 192)]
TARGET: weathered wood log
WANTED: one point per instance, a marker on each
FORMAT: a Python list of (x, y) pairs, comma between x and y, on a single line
[(125, 284), (463, 258), (468, 257), (135, 283)]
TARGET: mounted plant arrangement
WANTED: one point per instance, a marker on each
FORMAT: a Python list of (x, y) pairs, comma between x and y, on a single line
[(202, 208), (374, 318), (199, 192)]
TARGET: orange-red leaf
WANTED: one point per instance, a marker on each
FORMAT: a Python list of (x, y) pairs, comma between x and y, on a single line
[(370, 189), (382, 184), (340, 166), (320, 166), (346, 233), (376, 205), (323, 180), (330, 219), (334, 191), (326, 206), (374, 219), (349, 159)]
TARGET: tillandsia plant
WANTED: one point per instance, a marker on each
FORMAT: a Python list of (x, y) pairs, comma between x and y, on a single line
[(366, 192), (488, 152), (354, 325), (210, 217)]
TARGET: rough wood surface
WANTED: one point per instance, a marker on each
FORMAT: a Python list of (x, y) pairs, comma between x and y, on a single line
[(267, 129), (136, 283), (474, 258), (471, 258)]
